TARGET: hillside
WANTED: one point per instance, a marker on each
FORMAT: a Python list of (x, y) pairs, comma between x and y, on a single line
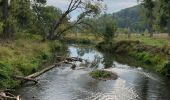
[(130, 17)]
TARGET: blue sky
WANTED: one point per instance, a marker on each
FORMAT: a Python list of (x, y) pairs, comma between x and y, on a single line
[(112, 5)]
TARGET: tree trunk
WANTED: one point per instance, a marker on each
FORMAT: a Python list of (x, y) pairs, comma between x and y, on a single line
[(6, 28), (150, 26), (168, 26), (55, 25), (129, 32)]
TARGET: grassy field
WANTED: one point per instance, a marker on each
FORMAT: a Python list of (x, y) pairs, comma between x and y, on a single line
[(158, 40)]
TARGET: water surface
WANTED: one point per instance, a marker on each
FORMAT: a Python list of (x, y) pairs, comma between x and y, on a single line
[(63, 83)]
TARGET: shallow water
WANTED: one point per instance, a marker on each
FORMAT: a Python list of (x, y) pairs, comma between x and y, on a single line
[(63, 83)]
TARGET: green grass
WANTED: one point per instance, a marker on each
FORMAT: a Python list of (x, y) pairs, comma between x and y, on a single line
[(23, 57), (158, 40)]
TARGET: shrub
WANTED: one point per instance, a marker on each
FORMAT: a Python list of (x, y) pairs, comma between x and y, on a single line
[(6, 72)]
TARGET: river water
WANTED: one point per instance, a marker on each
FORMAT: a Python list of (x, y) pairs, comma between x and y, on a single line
[(64, 83)]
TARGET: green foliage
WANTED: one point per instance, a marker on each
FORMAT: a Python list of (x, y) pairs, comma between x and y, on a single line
[(6, 72), (166, 69), (45, 18), (164, 14), (24, 14), (145, 57), (56, 46), (105, 46), (110, 31), (106, 28), (100, 74), (103, 75)]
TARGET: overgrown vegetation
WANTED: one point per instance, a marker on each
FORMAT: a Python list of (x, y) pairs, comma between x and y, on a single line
[(23, 57)]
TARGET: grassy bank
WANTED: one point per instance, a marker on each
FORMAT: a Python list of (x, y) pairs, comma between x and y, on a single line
[(157, 57), (158, 40), (22, 57)]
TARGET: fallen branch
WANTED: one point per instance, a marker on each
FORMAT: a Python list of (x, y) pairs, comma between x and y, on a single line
[(25, 79), (34, 75), (70, 59), (3, 96)]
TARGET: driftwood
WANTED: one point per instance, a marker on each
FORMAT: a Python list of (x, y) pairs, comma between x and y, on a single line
[(4, 96), (34, 75), (70, 59), (25, 79)]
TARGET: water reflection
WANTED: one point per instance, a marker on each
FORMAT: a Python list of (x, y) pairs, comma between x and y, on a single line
[(108, 59)]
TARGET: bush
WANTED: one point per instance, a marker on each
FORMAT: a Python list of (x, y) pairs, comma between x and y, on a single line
[(6, 72), (55, 46)]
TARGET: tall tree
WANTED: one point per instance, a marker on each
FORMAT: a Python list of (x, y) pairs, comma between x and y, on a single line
[(87, 7), (165, 14), (149, 6), (5, 14), (23, 13)]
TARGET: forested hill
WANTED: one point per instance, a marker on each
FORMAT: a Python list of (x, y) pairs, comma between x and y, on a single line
[(130, 17)]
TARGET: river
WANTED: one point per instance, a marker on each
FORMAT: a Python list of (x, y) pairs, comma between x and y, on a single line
[(64, 83)]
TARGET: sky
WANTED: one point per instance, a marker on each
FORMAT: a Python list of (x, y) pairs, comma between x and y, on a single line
[(112, 5)]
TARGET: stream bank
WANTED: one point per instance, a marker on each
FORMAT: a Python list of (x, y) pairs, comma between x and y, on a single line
[(158, 58)]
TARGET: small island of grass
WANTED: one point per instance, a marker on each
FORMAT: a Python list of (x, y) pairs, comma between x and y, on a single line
[(103, 75)]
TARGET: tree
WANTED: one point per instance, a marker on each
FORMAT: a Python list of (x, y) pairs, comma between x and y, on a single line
[(165, 14), (110, 29), (106, 28), (87, 7), (45, 15), (15, 14), (149, 6), (5, 15), (23, 13)]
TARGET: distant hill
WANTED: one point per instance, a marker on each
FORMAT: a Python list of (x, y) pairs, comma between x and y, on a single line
[(130, 17)]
